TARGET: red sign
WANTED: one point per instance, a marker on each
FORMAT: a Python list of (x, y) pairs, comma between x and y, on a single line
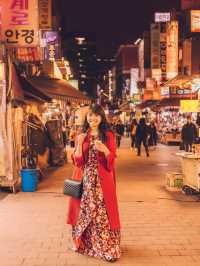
[(190, 4), (31, 54)]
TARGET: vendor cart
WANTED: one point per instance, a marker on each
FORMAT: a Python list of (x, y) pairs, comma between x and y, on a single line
[(191, 173)]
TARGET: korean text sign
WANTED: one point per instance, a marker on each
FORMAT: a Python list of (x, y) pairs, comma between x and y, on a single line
[(45, 14), (195, 20), (20, 22)]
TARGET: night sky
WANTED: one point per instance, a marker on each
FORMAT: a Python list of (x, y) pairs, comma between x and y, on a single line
[(113, 21)]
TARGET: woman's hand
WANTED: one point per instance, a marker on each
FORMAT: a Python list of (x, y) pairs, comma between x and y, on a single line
[(80, 139), (102, 147), (78, 149)]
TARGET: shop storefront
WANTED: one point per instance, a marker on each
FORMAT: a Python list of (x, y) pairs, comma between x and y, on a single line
[(166, 111), (170, 117)]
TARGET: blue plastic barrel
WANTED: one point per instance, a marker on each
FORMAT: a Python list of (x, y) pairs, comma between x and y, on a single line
[(29, 180)]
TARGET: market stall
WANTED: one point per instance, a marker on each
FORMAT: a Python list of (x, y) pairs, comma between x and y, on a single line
[(191, 172), (169, 116), (169, 121)]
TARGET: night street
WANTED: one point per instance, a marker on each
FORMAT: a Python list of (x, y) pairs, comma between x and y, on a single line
[(99, 132), (159, 228)]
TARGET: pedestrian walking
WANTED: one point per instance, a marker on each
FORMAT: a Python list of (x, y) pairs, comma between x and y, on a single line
[(119, 130), (133, 128), (188, 134), (142, 135), (128, 129), (153, 135), (95, 218)]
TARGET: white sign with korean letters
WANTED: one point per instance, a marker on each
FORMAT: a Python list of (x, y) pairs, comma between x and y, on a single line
[(20, 22)]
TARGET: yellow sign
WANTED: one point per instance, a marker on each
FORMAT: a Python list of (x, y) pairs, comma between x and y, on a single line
[(190, 106), (20, 22), (195, 21)]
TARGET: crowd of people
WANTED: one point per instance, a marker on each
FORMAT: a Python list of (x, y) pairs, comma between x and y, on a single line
[(140, 132)]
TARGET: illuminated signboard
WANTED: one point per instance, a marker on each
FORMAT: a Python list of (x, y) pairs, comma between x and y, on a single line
[(162, 17), (133, 81), (155, 46), (188, 106), (52, 48), (20, 22), (163, 55), (180, 93), (0, 21), (45, 14), (165, 91), (156, 74), (172, 49), (195, 20)]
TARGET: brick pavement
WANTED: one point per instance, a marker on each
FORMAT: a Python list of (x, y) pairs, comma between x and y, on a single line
[(158, 228)]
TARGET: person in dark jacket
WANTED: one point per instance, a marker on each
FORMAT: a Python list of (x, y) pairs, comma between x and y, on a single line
[(153, 134), (142, 135), (188, 134), (133, 128), (119, 130)]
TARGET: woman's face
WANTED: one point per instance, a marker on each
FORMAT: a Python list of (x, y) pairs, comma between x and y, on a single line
[(93, 119)]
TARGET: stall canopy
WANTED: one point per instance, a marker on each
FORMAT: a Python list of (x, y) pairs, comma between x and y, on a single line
[(182, 81), (17, 91), (58, 89), (32, 93), (22, 90), (148, 103), (171, 102), (156, 105)]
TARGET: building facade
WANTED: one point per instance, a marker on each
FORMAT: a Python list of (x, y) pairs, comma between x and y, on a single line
[(127, 60), (80, 49)]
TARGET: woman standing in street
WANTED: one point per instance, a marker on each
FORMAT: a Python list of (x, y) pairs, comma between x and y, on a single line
[(95, 218)]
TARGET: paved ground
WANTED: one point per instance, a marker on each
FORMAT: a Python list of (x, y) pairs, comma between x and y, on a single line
[(158, 228)]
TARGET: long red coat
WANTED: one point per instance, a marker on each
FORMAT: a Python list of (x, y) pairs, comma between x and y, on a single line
[(106, 174)]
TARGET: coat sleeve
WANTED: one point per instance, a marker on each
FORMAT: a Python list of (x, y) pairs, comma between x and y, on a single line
[(111, 145), (77, 161)]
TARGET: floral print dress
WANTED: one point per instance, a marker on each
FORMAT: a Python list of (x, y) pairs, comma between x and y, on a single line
[(92, 234)]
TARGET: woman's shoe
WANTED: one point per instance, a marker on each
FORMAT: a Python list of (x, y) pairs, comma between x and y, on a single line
[(75, 249), (109, 258)]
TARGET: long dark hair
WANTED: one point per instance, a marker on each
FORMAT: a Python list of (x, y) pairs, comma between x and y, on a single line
[(104, 126)]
